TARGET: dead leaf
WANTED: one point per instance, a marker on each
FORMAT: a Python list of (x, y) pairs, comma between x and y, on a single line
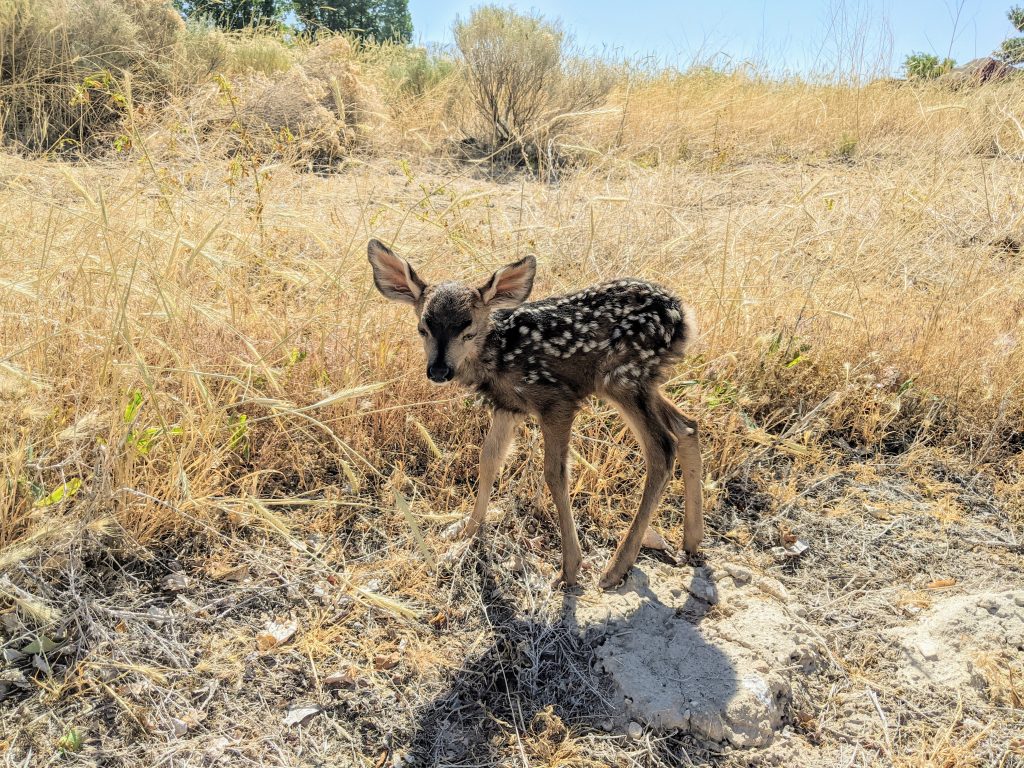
[(796, 547), (536, 544), (654, 540), (741, 536), (176, 582), (386, 661), (276, 634), (349, 677), (298, 714), (216, 748), (40, 663), (236, 574)]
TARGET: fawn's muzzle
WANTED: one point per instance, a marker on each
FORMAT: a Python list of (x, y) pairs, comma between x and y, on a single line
[(440, 372)]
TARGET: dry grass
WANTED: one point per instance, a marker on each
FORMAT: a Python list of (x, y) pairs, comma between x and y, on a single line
[(197, 378)]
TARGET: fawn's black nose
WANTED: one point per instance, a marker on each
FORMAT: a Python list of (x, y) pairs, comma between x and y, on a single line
[(439, 372)]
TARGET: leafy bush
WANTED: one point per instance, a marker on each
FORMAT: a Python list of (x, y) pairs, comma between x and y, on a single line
[(1012, 49), (233, 14), (417, 70), (379, 20), (524, 79), (925, 66), (208, 49)]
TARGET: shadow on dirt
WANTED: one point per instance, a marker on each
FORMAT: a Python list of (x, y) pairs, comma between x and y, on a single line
[(517, 701)]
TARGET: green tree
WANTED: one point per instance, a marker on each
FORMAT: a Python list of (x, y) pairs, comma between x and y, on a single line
[(378, 19), (1012, 50), (233, 14), (925, 66)]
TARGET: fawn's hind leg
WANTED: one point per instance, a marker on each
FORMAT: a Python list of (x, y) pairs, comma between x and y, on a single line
[(557, 429), (688, 454), (646, 416), (492, 456)]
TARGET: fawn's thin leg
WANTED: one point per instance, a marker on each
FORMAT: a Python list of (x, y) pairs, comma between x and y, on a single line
[(557, 428), (688, 454), (647, 420), (492, 456)]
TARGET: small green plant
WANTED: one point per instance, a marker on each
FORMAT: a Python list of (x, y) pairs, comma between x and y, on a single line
[(846, 148), (70, 741), (239, 440), (926, 66), (60, 493), (417, 70)]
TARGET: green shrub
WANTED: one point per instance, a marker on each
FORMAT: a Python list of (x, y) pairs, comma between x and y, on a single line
[(417, 70), (525, 81), (925, 66), (1012, 49)]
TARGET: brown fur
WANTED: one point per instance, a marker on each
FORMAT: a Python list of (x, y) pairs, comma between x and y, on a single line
[(544, 358)]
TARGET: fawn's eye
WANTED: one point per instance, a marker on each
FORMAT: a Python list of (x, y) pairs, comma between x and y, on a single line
[(468, 336), (422, 332)]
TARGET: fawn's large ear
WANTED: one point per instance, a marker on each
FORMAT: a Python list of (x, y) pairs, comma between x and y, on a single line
[(393, 275), (510, 286)]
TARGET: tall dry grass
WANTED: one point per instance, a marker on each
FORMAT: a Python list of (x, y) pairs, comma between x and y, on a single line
[(192, 352), (853, 256)]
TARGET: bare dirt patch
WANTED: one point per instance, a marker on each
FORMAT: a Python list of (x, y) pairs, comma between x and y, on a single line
[(713, 651), (960, 644)]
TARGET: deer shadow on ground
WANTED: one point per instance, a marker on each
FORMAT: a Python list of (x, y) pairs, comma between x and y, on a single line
[(537, 687)]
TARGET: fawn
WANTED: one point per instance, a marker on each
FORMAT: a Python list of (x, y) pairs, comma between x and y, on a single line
[(614, 340)]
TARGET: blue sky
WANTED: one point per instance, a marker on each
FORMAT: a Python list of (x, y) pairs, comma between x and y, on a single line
[(779, 35)]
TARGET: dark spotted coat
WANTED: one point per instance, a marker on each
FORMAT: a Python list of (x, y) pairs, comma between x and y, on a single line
[(613, 339)]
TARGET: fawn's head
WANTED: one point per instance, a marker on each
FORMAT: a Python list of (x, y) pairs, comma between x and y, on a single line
[(453, 317)]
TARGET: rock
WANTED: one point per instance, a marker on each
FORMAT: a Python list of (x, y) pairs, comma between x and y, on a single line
[(739, 574), (676, 664), (977, 72), (634, 730)]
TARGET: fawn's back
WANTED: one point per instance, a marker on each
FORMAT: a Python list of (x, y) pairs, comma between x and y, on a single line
[(613, 337)]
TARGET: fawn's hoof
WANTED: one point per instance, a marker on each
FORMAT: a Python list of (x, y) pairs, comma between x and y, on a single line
[(610, 579), (561, 581), (564, 581), (461, 529)]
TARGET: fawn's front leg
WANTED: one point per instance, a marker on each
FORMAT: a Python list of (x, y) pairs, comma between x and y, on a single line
[(557, 428), (492, 456)]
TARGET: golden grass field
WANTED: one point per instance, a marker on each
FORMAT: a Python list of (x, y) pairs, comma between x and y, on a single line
[(209, 419)]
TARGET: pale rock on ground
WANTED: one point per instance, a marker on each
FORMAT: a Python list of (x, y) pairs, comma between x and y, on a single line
[(710, 651), (945, 644)]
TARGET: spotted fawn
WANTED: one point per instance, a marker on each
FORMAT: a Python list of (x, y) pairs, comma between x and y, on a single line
[(616, 340)]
